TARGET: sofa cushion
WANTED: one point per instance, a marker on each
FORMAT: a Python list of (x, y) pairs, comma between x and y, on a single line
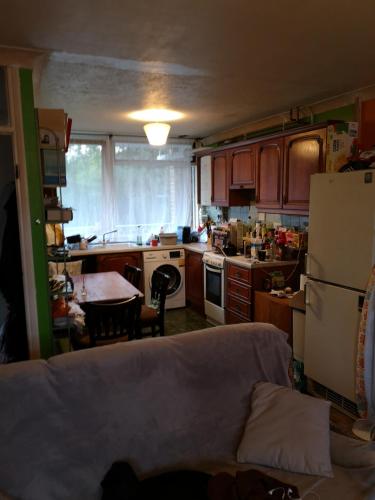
[(287, 430)]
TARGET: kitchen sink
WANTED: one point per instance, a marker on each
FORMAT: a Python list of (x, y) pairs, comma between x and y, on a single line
[(125, 244)]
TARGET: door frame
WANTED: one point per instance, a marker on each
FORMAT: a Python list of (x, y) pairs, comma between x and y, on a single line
[(24, 218)]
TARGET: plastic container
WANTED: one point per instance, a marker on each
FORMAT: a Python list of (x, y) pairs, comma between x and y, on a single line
[(168, 238)]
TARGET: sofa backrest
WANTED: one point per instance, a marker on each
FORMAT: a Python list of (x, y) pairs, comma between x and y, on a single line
[(158, 403)]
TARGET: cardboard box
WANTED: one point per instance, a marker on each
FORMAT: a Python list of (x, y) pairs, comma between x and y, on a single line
[(59, 214), (340, 140), (52, 128)]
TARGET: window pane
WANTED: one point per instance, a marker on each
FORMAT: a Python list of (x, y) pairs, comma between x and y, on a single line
[(143, 152), (153, 188), (146, 186), (4, 113), (83, 193)]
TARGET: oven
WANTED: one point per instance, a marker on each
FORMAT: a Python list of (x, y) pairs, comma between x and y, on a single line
[(214, 287)]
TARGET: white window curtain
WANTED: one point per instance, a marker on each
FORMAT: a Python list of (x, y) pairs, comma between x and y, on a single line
[(122, 184)]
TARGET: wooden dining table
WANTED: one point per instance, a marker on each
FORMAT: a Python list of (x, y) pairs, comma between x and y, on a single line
[(101, 287)]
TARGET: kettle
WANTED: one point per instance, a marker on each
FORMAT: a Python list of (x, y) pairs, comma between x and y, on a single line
[(229, 249)]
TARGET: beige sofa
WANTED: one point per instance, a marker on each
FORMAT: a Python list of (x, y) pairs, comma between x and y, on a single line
[(159, 403)]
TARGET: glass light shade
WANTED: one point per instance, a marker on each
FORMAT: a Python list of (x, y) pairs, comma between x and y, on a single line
[(157, 133)]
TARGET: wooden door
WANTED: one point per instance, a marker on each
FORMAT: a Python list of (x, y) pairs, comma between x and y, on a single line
[(304, 155), (243, 166), (194, 280), (269, 174), (220, 190)]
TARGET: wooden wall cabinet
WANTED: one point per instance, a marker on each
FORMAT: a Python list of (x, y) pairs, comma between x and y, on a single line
[(222, 195), (269, 174), (284, 168), (304, 155), (220, 188), (194, 280), (243, 166)]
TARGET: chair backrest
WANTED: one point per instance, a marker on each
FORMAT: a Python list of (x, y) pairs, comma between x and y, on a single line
[(159, 287), (108, 322), (132, 274)]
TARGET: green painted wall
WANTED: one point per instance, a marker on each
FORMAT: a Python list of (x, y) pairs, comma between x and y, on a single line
[(34, 181), (346, 113)]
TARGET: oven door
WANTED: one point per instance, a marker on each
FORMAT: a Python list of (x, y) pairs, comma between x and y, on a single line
[(214, 285)]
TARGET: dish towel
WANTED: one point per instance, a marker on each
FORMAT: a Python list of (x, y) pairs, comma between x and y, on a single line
[(365, 368)]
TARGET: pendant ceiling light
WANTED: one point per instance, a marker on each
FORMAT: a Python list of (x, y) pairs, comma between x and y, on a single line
[(157, 133), (156, 130)]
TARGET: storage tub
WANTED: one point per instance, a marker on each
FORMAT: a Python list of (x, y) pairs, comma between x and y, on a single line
[(168, 238)]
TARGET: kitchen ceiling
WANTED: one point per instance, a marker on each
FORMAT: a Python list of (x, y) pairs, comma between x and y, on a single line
[(222, 63)]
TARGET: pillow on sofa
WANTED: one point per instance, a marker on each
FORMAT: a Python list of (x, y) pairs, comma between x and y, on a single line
[(287, 430)]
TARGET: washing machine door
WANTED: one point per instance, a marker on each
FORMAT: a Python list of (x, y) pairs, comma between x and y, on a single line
[(175, 279)]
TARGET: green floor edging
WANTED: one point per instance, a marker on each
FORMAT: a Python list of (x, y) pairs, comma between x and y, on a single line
[(34, 182)]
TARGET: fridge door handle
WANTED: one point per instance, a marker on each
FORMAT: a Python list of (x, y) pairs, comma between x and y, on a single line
[(307, 264), (306, 290)]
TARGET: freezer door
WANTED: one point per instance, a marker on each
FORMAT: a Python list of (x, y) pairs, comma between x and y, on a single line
[(342, 228), (332, 322)]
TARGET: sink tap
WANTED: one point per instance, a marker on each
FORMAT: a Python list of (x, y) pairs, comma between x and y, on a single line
[(109, 232)]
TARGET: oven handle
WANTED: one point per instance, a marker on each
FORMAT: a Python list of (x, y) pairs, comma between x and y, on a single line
[(217, 270)]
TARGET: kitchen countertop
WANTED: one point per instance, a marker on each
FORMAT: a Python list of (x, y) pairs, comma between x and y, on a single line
[(240, 260), (133, 247)]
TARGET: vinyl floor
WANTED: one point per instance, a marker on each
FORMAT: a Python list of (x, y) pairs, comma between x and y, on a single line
[(184, 320)]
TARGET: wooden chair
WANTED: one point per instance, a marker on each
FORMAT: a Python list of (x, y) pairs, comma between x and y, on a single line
[(133, 275), (152, 316), (108, 323)]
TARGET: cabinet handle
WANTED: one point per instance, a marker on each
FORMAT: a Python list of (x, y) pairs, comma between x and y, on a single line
[(307, 264), (307, 294)]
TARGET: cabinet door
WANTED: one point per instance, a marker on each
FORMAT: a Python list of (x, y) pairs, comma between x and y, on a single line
[(269, 174), (303, 156), (243, 166), (194, 280), (117, 261), (220, 191)]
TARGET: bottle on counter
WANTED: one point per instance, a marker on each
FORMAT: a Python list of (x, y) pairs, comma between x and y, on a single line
[(139, 235)]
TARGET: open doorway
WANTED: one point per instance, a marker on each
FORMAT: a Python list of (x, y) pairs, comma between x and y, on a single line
[(13, 331)]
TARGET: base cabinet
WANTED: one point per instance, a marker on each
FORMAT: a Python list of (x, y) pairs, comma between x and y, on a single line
[(238, 294), (274, 310), (117, 261), (194, 280), (242, 285)]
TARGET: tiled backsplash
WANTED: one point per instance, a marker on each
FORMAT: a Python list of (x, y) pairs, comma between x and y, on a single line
[(222, 213)]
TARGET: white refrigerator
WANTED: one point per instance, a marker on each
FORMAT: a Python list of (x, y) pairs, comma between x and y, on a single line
[(338, 264)]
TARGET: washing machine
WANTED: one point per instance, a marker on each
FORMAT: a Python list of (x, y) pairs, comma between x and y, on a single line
[(171, 262)]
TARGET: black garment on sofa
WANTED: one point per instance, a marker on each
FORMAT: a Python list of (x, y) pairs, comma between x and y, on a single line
[(13, 343), (121, 483)]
